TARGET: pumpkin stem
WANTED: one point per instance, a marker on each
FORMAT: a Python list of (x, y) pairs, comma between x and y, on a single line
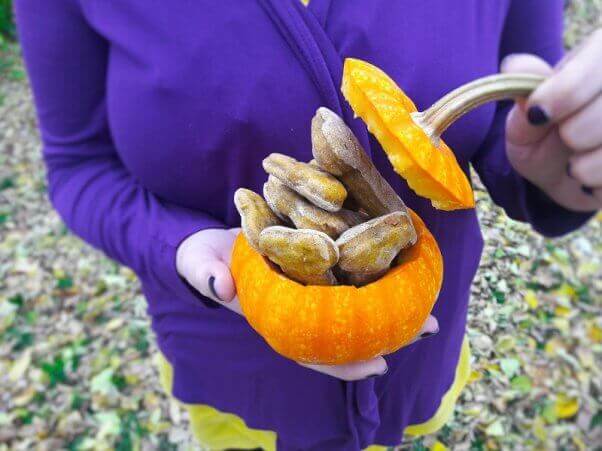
[(435, 120)]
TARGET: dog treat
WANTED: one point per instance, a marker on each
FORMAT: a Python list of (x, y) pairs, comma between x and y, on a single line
[(255, 215), (289, 205), (367, 250), (304, 255), (337, 150), (352, 218), (316, 185), (350, 203)]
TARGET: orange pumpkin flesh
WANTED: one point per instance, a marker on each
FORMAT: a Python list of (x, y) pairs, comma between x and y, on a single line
[(339, 324), (432, 172)]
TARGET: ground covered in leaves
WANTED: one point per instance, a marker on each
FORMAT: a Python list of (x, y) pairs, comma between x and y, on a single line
[(76, 349)]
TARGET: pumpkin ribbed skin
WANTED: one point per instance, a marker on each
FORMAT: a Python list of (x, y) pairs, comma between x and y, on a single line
[(432, 172), (339, 324)]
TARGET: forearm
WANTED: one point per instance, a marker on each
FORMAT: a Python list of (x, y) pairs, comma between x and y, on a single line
[(67, 63)]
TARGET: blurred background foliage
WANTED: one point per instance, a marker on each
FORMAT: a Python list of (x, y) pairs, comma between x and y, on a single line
[(8, 49), (7, 26)]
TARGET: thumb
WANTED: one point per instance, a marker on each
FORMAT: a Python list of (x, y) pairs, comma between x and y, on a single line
[(212, 278), (525, 127)]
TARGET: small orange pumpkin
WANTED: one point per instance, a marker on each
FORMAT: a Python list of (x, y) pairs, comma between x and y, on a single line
[(339, 324)]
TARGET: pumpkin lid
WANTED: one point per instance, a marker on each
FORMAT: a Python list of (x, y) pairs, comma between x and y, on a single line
[(431, 171)]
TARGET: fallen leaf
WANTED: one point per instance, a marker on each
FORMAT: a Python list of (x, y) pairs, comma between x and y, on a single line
[(509, 366), (20, 366), (531, 299), (495, 429), (565, 406), (103, 382), (594, 332), (521, 383), (108, 424)]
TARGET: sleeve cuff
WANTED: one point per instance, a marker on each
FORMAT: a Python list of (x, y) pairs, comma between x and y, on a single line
[(173, 282), (161, 271), (546, 216)]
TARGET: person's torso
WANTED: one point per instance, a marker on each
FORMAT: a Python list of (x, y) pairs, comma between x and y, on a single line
[(198, 93)]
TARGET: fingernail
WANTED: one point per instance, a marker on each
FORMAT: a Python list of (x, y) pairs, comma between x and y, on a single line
[(429, 334), (568, 170), (587, 190), (212, 288), (537, 116)]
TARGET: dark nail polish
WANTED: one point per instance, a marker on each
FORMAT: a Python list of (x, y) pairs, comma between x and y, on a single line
[(537, 116), (429, 334), (212, 287), (587, 190), (568, 170)]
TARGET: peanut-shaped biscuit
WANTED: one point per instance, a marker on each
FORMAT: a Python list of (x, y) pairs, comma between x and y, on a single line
[(289, 205), (255, 215), (367, 250), (337, 150), (304, 255), (313, 183), (350, 203)]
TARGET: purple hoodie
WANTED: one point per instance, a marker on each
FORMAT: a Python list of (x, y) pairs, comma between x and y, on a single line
[(152, 114)]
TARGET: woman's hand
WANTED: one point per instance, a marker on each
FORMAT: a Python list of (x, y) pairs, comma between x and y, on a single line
[(203, 259), (554, 138)]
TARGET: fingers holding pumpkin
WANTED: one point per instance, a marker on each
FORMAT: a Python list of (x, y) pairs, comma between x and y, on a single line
[(429, 328), (353, 371), (212, 279), (304, 255), (574, 83), (374, 367), (203, 260)]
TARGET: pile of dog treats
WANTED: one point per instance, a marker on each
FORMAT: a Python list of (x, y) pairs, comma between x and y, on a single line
[(334, 220)]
